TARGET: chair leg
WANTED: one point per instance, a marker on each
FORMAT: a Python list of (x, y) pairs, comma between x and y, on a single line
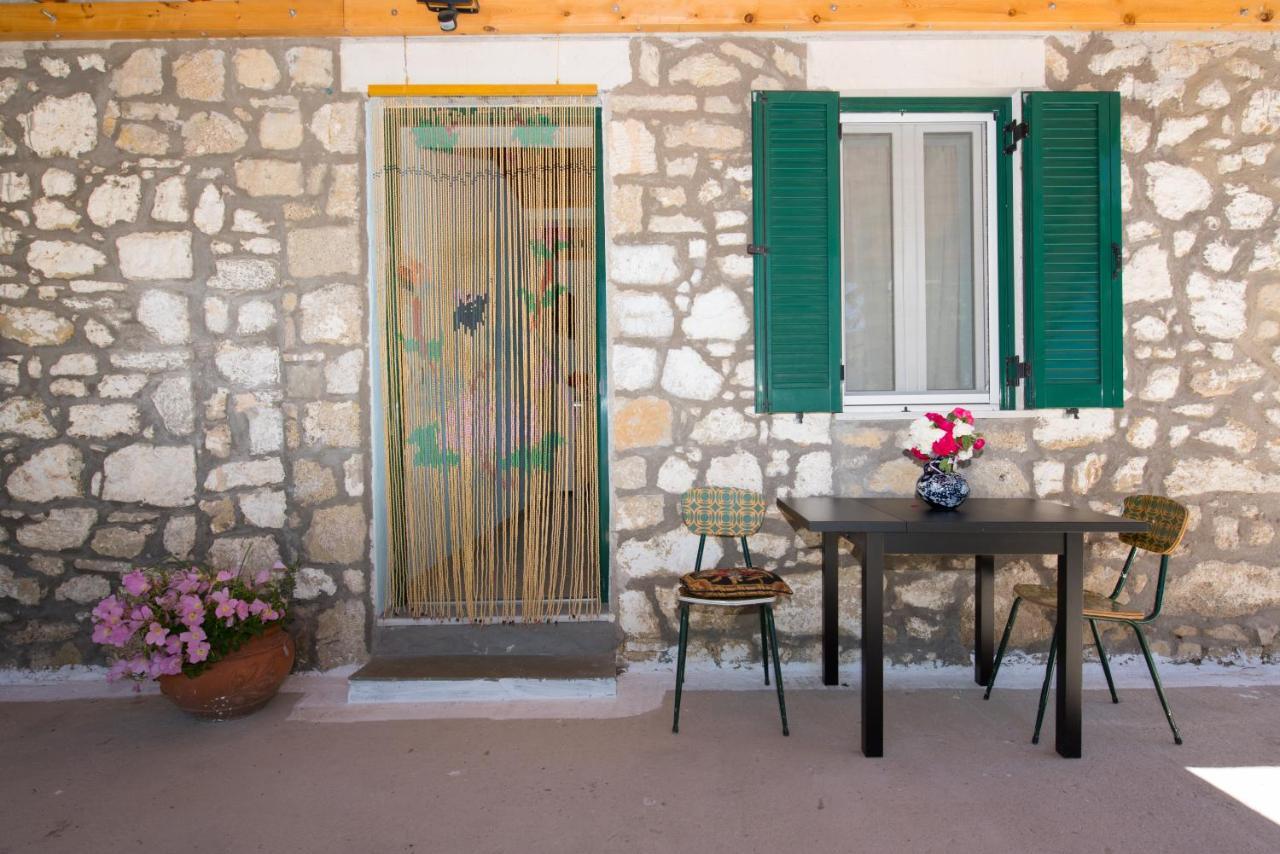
[(777, 666), (1004, 642), (684, 642), (1155, 678), (1102, 656), (764, 645), (1044, 689)]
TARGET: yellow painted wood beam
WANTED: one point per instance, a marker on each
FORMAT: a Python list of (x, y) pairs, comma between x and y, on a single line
[(308, 18), (390, 90)]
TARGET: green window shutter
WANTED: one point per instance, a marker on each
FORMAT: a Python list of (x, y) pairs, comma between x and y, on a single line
[(1072, 243), (796, 191)]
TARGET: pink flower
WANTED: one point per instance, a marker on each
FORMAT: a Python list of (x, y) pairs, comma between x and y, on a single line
[(940, 422), (118, 669), (225, 575), (173, 645), (120, 634), (141, 614), (156, 635), (979, 443), (164, 665), (191, 611), (226, 605), (108, 609), (963, 414), (136, 583), (915, 452), (257, 606), (242, 609), (946, 446), (197, 652), (262, 577)]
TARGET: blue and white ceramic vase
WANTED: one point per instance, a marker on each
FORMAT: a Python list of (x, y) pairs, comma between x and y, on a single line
[(941, 490)]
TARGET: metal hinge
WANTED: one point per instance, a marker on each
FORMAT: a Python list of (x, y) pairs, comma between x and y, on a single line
[(757, 249), (842, 373), (1016, 371), (1019, 131)]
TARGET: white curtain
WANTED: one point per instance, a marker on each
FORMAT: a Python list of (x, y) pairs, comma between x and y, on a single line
[(948, 267), (868, 262)]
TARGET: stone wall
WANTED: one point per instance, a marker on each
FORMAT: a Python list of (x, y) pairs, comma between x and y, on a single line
[(1202, 284), (182, 337), (182, 326)]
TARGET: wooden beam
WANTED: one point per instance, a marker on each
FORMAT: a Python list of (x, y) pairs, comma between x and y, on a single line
[(409, 90), (309, 18)]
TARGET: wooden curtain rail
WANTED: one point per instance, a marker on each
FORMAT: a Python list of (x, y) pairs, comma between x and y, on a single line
[(309, 18)]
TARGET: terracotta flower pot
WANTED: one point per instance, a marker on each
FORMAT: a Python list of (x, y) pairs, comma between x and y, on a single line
[(241, 683)]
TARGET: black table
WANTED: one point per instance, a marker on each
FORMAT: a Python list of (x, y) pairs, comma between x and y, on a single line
[(983, 527)]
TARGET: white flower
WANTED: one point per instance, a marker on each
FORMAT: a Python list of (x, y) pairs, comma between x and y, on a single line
[(962, 428), (922, 434), (964, 454)]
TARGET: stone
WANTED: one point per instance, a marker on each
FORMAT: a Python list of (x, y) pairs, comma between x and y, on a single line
[(24, 591), (153, 255), (312, 583), (261, 472), (60, 259), (61, 127), (628, 473), (173, 402), (180, 536), (259, 177), (59, 529), (1262, 114), (156, 475), (1162, 383), (25, 416), (702, 134), (643, 315), (35, 327), (716, 314), (1248, 211), (251, 366), (634, 512), (140, 74), (632, 148), (896, 477), (1215, 382), (331, 424), (116, 199), (1218, 306), (103, 420), (266, 429), (340, 635), (342, 375), (14, 187), (83, 589), (1177, 191), (643, 422), (170, 203), (1087, 473), (643, 265), (53, 215), (309, 67), (686, 375), (255, 316), (210, 210), (813, 474), (676, 476), (633, 368), (121, 385), (741, 470), (211, 132), (344, 192), (264, 508), (245, 554), (165, 316), (704, 70), (118, 542), (325, 251), (58, 182), (1146, 276), (641, 558), (313, 483), (1058, 433), (256, 69), (1129, 475), (1223, 589), (75, 365), (723, 425), (1176, 130), (200, 76), (142, 139), (332, 315), (244, 274), (337, 127), (1049, 477), (49, 473), (353, 475), (1196, 476), (337, 535)]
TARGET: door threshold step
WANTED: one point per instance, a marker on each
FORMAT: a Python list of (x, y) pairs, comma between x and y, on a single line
[(482, 678)]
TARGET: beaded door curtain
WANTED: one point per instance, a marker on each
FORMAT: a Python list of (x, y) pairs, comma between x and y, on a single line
[(486, 250)]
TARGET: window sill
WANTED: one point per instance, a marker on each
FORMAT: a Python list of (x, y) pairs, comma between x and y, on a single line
[(884, 413)]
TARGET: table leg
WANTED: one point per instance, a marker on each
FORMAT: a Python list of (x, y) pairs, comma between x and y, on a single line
[(1070, 642), (984, 616), (830, 609), (872, 645)]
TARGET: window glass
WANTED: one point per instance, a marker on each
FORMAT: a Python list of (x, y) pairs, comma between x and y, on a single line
[(868, 262), (948, 260)]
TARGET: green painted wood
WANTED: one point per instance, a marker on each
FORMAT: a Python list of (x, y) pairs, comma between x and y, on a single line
[(796, 191), (1071, 221), (602, 366), (1002, 109)]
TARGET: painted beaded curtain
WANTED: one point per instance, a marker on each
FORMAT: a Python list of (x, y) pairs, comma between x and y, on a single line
[(486, 244)]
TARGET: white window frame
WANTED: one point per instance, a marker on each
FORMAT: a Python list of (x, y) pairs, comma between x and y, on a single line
[(987, 347)]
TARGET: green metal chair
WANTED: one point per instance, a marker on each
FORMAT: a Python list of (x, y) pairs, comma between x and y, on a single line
[(735, 513), (1168, 521)]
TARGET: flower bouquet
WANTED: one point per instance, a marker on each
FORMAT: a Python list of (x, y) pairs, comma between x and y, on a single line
[(942, 442), (183, 625)]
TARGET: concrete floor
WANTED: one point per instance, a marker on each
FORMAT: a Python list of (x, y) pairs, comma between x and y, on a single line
[(959, 775)]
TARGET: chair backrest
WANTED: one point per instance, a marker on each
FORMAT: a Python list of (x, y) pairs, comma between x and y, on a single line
[(722, 511), (1168, 520)]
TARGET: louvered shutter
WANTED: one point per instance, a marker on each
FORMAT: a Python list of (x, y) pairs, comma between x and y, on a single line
[(796, 186), (1072, 243)]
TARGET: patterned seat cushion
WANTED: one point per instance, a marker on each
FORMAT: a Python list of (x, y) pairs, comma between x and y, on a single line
[(722, 511), (1096, 605), (737, 582)]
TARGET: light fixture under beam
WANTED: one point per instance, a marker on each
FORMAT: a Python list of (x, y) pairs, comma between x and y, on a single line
[(447, 11)]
